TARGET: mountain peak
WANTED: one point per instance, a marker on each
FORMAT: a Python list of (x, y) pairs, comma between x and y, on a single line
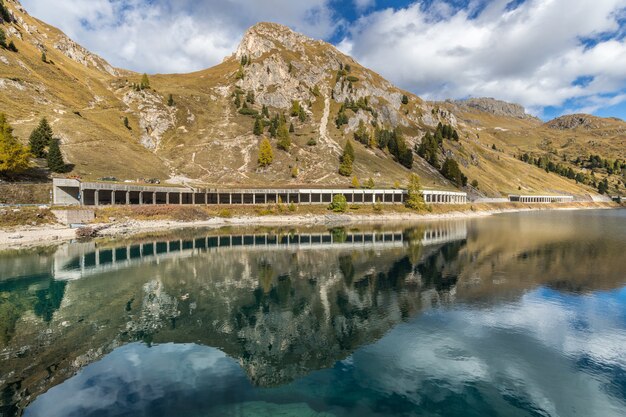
[(572, 121), (264, 37), (496, 107)]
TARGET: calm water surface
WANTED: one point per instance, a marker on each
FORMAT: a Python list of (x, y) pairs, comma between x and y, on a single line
[(512, 315)]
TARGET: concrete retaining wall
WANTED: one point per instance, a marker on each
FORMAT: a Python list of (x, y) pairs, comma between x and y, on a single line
[(74, 216)]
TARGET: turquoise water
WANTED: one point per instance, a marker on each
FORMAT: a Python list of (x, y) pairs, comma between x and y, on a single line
[(512, 315)]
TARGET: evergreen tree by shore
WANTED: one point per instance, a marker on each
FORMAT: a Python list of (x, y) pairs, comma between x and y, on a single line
[(40, 139), (55, 157)]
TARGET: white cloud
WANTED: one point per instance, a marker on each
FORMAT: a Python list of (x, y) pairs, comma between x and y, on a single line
[(175, 36), (531, 54), (513, 347), (362, 5)]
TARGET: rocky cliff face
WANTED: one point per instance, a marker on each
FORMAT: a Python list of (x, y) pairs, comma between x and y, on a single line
[(496, 107), (574, 121)]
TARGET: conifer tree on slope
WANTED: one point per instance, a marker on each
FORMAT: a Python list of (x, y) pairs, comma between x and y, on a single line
[(55, 157), (40, 138)]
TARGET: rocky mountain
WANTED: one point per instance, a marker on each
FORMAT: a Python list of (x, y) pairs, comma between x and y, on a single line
[(587, 122), (495, 107), (112, 125)]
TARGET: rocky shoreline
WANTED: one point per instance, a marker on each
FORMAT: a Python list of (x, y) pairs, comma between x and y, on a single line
[(26, 237)]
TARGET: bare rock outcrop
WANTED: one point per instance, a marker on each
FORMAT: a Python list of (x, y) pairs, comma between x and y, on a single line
[(496, 107), (265, 37), (79, 54), (154, 117), (573, 121)]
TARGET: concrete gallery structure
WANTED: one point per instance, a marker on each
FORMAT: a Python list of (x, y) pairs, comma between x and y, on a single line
[(541, 198), (71, 192)]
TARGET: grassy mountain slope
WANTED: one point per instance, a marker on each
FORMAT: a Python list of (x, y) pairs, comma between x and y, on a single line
[(562, 140), (204, 139)]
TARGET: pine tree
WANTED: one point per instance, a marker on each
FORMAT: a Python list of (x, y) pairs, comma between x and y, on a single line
[(292, 129), (126, 123), (12, 47), (302, 114), (258, 127), (346, 160), (295, 108), (145, 82), (415, 198), (55, 158), (13, 155), (3, 39), (405, 99), (370, 183), (361, 134), (282, 132), (355, 182), (4, 13), (250, 97), (44, 58), (266, 154), (170, 101), (603, 186), (450, 169), (265, 112), (40, 138), (240, 74), (348, 150)]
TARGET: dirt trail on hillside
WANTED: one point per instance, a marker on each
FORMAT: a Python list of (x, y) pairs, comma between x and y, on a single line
[(324, 138)]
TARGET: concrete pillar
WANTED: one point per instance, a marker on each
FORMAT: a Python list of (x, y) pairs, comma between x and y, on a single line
[(180, 199), (140, 197), (206, 198), (193, 198), (96, 197), (230, 198), (113, 197), (167, 198), (242, 200), (254, 198), (218, 198), (154, 195), (127, 198)]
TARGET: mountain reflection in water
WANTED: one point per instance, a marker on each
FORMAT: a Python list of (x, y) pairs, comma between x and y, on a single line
[(511, 315)]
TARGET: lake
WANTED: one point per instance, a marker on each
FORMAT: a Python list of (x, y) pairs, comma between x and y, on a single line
[(510, 315)]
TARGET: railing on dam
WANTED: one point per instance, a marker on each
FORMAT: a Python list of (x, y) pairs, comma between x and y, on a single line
[(78, 261)]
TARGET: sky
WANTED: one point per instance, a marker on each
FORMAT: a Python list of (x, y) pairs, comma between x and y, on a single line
[(552, 56)]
